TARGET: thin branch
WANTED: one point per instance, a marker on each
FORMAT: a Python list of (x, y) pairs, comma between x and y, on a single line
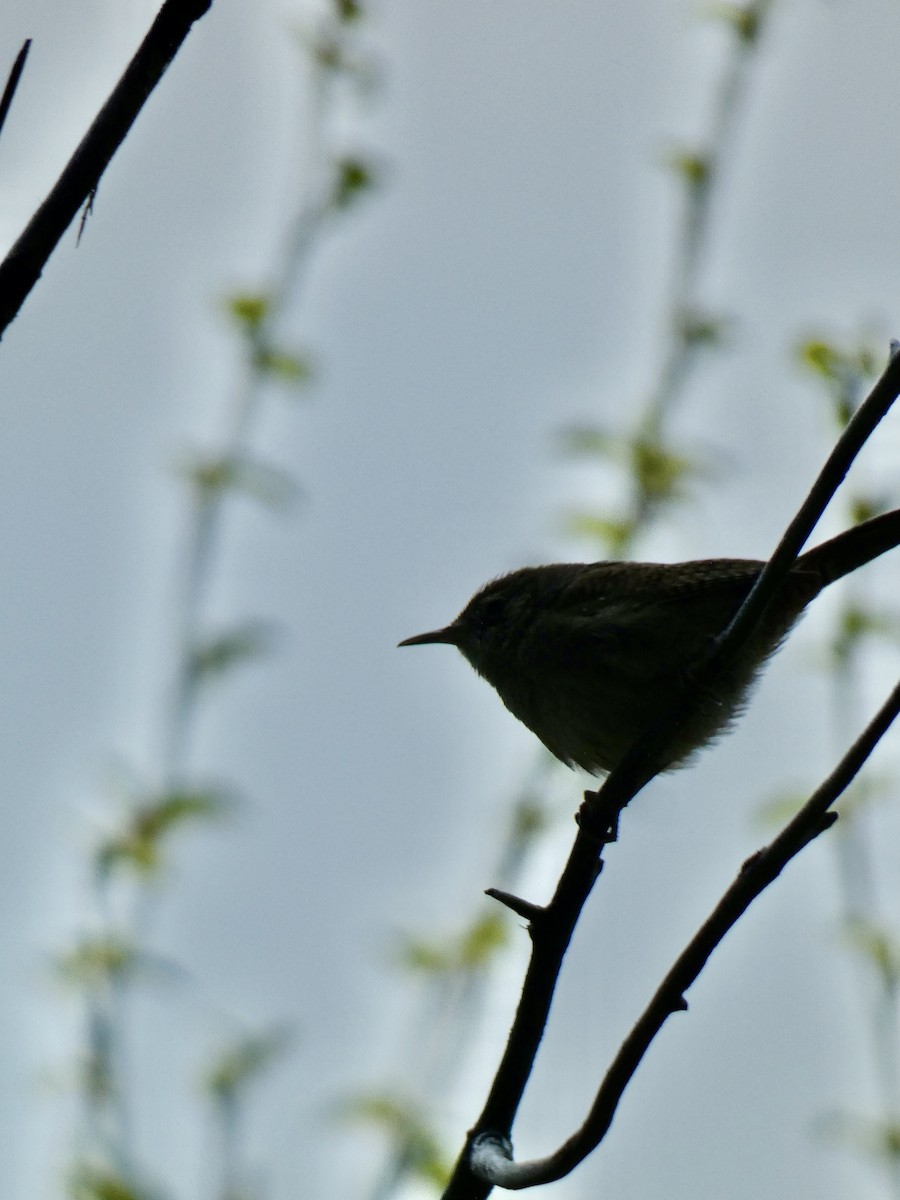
[(13, 82), (642, 761), (24, 263), (492, 1152), (855, 435)]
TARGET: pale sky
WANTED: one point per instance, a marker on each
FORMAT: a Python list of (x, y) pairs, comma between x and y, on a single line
[(507, 279)]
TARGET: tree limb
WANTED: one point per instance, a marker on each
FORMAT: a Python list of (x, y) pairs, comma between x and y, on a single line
[(492, 1152)]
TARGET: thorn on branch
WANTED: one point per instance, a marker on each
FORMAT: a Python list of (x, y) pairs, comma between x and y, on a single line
[(828, 819), (86, 212), (523, 908)]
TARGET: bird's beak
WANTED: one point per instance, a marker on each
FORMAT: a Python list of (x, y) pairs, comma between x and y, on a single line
[(449, 634)]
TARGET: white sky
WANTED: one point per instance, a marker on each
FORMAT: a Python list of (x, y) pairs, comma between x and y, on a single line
[(506, 280)]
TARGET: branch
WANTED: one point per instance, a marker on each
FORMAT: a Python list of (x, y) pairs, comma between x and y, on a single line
[(13, 82), (492, 1152), (552, 927), (642, 761), (23, 265)]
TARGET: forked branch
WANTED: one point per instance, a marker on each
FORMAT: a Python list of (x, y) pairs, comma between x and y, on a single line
[(492, 1153)]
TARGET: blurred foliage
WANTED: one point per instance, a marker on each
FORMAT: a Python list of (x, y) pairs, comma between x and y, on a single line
[(219, 654), (245, 1060), (419, 1151), (262, 481), (87, 1182), (473, 949), (106, 967), (139, 844)]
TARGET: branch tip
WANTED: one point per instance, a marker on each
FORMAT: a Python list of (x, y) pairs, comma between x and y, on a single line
[(13, 81)]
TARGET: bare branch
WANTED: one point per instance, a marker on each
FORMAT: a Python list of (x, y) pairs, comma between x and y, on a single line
[(23, 265), (13, 82), (641, 763), (492, 1153)]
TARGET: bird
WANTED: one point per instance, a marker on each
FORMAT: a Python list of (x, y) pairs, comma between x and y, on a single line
[(592, 656)]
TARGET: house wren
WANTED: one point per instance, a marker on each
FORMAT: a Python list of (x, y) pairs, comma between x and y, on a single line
[(590, 656)]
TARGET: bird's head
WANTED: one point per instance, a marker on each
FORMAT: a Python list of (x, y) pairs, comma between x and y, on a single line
[(496, 621)]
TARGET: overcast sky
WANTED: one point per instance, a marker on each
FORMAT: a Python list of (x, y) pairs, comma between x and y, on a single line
[(508, 279)]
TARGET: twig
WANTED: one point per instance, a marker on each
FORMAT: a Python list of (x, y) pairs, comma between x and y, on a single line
[(23, 265), (13, 82), (642, 761)]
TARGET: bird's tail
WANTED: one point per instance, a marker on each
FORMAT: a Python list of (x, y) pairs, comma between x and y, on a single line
[(853, 548)]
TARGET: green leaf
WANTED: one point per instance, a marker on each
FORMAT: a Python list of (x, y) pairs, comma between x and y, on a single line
[(263, 481), (880, 1140), (244, 1061), (352, 178), (482, 940), (660, 473), (529, 819), (93, 1182), (844, 372), (818, 356), (473, 949), (615, 534), (283, 365), (698, 328), (692, 166), (219, 654), (414, 1141), (879, 946), (249, 310), (745, 19), (96, 961), (863, 508), (140, 844), (854, 625), (348, 10)]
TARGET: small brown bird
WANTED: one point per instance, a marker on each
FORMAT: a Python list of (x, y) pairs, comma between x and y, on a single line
[(590, 656)]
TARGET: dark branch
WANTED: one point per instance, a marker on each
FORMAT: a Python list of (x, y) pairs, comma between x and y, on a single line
[(22, 267), (492, 1153), (13, 82), (642, 762)]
